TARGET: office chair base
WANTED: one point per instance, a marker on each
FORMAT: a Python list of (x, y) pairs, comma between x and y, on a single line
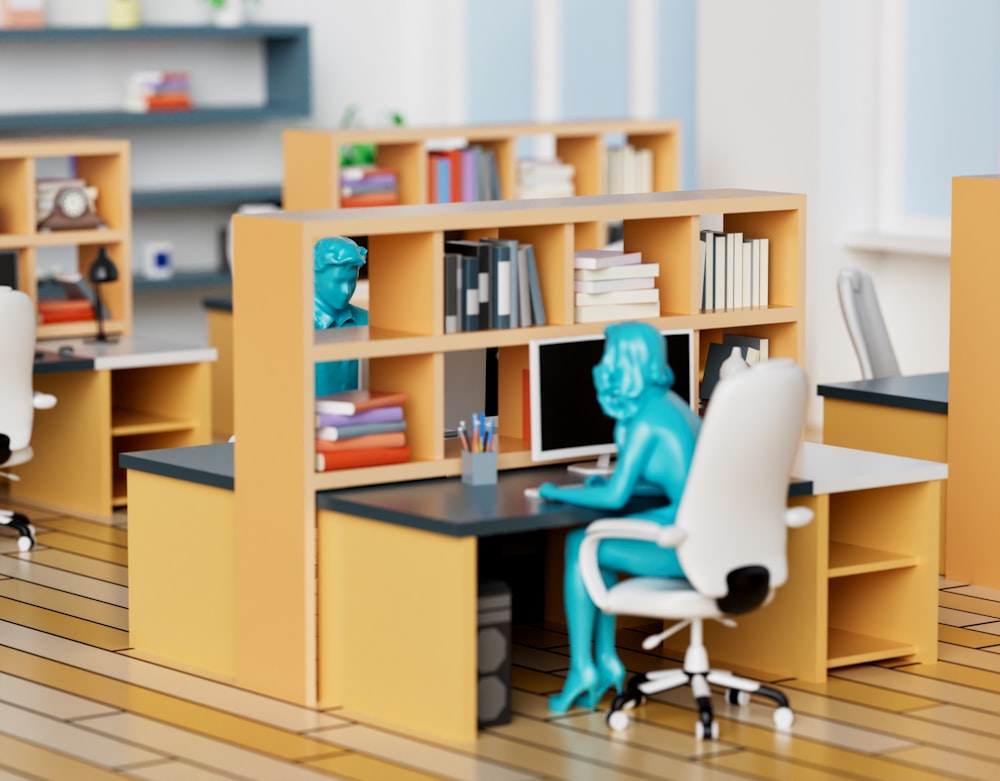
[(738, 692), (20, 524)]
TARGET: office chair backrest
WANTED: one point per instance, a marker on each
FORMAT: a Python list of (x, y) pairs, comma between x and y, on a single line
[(863, 316), (734, 501), (17, 358)]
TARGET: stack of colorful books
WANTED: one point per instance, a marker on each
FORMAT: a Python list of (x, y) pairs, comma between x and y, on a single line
[(368, 185), (358, 428), (614, 285), (148, 91)]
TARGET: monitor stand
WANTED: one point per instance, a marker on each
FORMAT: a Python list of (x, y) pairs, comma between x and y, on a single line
[(603, 466)]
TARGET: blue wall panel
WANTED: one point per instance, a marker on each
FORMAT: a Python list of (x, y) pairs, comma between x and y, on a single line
[(952, 99), (676, 70), (501, 51), (595, 59)]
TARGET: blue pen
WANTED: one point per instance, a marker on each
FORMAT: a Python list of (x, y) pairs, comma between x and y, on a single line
[(491, 434), (482, 432)]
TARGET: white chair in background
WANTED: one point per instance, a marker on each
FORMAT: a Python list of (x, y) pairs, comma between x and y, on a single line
[(863, 316), (18, 400)]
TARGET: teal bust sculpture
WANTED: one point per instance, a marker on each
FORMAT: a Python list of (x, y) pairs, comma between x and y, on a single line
[(655, 433), (336, 263)]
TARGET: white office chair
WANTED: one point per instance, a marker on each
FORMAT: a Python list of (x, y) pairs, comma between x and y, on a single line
[(863, 316), (18, 401), (730, 535)]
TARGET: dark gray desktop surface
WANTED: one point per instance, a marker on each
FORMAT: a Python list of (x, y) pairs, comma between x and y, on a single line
[(922, 392), (442, 505), (204, 464), (51, 362)]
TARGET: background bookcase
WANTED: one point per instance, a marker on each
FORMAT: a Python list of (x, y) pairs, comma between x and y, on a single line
[(103, 163), (312, 157), (405, 347)]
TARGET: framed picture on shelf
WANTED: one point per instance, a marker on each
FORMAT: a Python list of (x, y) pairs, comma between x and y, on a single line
[(22, 13)]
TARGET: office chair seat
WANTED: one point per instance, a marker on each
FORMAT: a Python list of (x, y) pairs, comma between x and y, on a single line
[(730, 535)]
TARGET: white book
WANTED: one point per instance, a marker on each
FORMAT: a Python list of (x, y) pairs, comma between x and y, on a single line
[(737, 270), (730, 271), (596, 314), (643, 296), (649, 270), (755, 273), (602, 258), (747, 276), (604, 285), (764, 273)]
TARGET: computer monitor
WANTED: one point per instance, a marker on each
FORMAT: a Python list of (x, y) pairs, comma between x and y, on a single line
[(566, 420)]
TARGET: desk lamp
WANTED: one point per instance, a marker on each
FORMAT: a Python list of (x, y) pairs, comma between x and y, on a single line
[(102, 270)]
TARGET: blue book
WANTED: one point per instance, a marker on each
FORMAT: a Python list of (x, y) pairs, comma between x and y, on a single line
[(333, 433), (535, 288)]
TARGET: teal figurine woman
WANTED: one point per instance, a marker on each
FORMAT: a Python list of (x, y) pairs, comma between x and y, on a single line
[(655, 433)]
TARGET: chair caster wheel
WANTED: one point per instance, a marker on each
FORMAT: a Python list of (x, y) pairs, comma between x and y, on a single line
[(783, 718), (701, 731), (618, 720), (737, 697)]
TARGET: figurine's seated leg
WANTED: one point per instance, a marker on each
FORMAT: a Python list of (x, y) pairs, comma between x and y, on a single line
[(610, 670)]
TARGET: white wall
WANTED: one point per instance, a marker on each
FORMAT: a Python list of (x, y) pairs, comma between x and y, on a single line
[(793, 107)]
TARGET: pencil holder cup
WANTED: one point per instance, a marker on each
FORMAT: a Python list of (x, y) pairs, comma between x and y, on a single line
[(479, 468)]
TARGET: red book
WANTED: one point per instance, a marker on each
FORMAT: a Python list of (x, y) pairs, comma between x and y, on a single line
[(385, 198), (350, 402), (63, 311), (352, 459), (387, 439)]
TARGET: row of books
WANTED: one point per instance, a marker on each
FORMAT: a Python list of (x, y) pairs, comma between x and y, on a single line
[(614, 285), (752, 349), (357, 428), (155, 90), (64, 297), (465, 174), (368, 185), (628, 170), (734, 271), (491, 283)]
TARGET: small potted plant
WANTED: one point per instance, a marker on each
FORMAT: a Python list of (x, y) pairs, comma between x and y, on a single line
[(229, 13)]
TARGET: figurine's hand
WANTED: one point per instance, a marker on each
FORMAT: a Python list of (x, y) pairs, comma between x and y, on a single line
[(547, 490)]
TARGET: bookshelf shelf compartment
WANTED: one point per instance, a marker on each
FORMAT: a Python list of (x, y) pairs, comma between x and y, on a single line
[(103, 164), (846, 648)]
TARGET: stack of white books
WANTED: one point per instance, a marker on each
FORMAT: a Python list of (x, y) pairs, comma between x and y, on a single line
[(614, 285)]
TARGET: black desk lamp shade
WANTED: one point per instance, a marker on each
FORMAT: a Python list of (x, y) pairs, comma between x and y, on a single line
[(102, 270)]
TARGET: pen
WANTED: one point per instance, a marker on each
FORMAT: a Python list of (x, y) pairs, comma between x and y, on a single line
[(475, 432), (491, 427), (461, 435), (482, 432)]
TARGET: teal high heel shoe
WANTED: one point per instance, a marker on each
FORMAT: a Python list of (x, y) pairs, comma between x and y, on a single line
[(582, 683)]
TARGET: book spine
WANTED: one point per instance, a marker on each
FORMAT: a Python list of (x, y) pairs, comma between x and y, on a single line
[(347, 432), (501, 285), (535, 286), (352, 459), (377, 415), (451, 261), (470, 291), (390, 439), (486, 304), (523, 289)]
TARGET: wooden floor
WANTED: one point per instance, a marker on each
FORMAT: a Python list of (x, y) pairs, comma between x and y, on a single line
[(74, 705)]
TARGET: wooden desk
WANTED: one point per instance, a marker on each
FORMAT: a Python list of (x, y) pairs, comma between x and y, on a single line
[(905, 416), (397, 573), (112, 397)]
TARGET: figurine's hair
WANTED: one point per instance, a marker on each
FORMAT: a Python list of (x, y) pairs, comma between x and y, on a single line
[(639, 355), (338, 251)]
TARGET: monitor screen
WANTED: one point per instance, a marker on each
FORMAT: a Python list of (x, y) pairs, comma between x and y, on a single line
[(566, 420)]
